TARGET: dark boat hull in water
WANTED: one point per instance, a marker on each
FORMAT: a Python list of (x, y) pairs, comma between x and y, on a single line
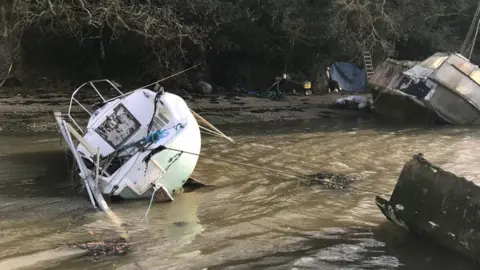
[(398, 108), (437, 205), (392, 104)]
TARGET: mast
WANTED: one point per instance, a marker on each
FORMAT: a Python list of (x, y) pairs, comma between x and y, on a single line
[(470, 39)]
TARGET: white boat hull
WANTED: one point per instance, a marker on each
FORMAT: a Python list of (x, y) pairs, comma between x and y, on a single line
[(121, 129), (172, 180)]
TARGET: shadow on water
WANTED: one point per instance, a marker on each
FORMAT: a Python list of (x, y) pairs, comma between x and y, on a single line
[(36, 174), (38, 185), (39, 208)]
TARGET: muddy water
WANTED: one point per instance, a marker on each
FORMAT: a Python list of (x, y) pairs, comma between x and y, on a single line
[(250, 219)]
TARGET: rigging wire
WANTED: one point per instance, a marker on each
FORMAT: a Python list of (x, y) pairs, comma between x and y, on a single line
[(171, 76), (474, 38), (470, 39), (294, 174), (466, 41)]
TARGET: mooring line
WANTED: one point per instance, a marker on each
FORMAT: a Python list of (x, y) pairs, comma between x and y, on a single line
[(294, 174)]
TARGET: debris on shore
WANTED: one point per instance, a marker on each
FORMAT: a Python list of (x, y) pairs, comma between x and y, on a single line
[(33, 114)]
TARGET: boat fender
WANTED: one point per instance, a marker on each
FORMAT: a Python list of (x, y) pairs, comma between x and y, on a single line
[(153, 152)]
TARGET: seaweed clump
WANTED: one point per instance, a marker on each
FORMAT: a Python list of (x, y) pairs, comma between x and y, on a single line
[(114, 247), (331, 180)]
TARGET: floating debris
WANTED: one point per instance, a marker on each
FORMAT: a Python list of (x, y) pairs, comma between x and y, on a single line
[(331, 180), (114, 247)]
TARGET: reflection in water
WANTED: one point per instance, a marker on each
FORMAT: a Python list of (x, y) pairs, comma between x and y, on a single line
[(251, 219)]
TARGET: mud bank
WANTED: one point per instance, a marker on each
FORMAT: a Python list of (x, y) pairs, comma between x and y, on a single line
[(35, 113)]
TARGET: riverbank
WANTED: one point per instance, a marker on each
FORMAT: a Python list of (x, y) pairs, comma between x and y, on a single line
[(35, 113)]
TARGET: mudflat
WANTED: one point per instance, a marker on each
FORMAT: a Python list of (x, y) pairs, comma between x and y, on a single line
[(35, 112)]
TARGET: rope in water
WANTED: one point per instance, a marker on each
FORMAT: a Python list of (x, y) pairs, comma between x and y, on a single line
[(155, 188), (149, 205), (294, 174)]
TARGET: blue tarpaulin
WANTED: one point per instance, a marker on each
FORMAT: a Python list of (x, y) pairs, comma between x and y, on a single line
[(349, 76)]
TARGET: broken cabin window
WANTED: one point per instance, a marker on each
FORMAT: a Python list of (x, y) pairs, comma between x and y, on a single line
[(118, 127)]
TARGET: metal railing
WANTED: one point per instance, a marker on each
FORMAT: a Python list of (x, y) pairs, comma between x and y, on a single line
[(81, 88)]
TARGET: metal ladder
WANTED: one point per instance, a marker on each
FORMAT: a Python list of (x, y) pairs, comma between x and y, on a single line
[(367, 59)]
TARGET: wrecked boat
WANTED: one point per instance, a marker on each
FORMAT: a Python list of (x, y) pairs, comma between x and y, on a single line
[(444, 88), (436, 204), (139, 144)]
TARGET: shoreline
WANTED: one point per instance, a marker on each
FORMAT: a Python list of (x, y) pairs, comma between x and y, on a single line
[(35, 113)]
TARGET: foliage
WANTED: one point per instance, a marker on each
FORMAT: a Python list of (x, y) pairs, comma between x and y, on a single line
[(242, 40)]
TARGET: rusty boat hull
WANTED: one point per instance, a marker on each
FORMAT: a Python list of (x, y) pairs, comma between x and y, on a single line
[(436, 205)]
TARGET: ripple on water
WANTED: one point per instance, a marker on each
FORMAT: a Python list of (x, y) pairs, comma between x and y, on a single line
[(251, 219)]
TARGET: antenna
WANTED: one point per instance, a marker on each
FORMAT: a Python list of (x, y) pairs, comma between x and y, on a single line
[(171, 76)]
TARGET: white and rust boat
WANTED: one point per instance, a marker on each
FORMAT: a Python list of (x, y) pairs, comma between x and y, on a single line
[(444, 88)]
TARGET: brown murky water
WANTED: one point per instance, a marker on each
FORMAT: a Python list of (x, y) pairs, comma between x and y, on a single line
[(251, 219)]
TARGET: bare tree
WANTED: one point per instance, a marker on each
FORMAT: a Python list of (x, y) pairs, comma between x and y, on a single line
[(367, 24)]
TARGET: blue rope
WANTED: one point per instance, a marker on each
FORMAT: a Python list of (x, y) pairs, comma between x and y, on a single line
[(160, 134), (156, 136)]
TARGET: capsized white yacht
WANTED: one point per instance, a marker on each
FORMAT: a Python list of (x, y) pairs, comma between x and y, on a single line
[(140, 144)]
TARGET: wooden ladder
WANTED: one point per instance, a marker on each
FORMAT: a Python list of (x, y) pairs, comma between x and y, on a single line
[(367, 59)]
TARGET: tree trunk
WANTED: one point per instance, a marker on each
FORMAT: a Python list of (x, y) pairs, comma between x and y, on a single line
[(6, 43), (318, 75)]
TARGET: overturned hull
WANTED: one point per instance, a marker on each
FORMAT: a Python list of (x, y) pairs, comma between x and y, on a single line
[(134, 145), (400, 108), (438, 205), (391, 103)]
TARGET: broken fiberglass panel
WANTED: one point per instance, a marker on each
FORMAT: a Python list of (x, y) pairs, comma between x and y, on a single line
[(433, 62), (469, 89), (465, 66), (453, 106), (448, 75), (475, 75)]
